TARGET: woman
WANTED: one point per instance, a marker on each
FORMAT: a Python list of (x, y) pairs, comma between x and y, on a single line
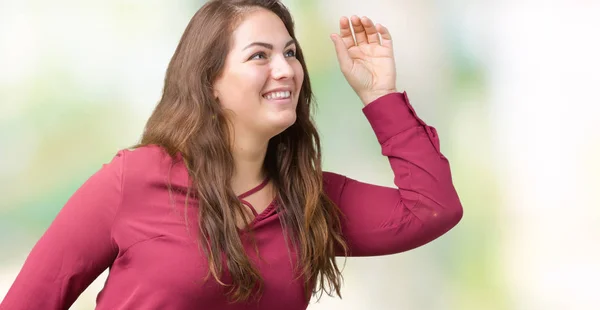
[(224, 204)]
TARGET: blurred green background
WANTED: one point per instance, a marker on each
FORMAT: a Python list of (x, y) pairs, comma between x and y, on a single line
[(509, 85)]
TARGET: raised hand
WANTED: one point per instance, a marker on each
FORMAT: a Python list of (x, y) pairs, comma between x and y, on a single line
[(367, 62)]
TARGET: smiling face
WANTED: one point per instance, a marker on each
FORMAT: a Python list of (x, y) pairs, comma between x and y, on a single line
[(261, 80)]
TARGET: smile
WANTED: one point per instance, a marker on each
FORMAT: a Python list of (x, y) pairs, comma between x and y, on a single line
[(277, 95)]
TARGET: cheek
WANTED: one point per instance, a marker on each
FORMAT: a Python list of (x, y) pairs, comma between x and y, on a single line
[(250, 83), (298, 74), (240, 86)]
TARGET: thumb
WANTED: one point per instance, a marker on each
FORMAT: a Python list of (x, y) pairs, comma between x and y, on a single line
[(342, 53)]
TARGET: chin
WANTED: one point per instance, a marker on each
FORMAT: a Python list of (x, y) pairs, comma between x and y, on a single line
[(282, 123)]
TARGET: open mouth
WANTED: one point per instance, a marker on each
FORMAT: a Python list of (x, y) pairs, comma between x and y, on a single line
[(277, 95)]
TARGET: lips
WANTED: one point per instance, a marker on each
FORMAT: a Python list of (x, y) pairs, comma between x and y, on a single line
[(278, 95), (281, 92)]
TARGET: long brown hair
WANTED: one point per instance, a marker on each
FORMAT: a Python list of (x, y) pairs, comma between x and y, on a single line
[(188, 120)]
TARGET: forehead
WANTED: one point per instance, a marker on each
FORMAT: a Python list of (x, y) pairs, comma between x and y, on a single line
[(260, 25)]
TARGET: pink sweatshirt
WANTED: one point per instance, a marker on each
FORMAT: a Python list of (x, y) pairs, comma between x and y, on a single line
[(124, 218)]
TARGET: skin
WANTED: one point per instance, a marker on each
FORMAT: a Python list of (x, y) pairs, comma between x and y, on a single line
[(262, 58)]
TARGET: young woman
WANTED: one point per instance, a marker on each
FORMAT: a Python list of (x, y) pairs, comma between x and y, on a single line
[(223, 204)]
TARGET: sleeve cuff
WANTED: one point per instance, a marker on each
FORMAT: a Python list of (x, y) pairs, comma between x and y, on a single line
[(390, 115)]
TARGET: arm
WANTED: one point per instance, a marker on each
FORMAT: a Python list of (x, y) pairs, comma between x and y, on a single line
[(75, 249), (380, 220)]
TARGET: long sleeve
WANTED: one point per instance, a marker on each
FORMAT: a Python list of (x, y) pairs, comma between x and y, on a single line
[(380, 220), (75, 249)]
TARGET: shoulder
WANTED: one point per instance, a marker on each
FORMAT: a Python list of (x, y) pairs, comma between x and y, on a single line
[(144, 158), (146, 165)]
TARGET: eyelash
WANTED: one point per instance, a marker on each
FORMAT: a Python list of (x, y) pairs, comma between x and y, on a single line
[(264, 54)]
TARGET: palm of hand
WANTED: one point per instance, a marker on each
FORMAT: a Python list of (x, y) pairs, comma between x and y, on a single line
[(367, 58), (372, 67)]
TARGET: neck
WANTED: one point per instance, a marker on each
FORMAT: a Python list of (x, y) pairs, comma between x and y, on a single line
[(248, 156)]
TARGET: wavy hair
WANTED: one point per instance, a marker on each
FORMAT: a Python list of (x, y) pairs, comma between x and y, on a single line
[(189, 121)]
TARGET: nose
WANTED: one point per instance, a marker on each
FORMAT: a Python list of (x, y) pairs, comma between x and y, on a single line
[(281, 68)]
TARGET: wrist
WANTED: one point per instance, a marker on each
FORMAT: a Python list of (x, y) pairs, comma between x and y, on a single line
[(371, 96)]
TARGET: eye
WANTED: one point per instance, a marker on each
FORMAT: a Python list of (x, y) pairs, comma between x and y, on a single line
[(259, 55), (290, 53)]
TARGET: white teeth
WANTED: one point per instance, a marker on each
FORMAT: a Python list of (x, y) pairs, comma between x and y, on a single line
[(278, 95)]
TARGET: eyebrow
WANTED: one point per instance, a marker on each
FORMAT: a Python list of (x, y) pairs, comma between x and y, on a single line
[(267, 45)]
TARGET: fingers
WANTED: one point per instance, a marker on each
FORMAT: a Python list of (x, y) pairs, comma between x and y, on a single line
[(386, 37), (359, 30), (346, 32), (370, 30), (365, 32), (341, 51)]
